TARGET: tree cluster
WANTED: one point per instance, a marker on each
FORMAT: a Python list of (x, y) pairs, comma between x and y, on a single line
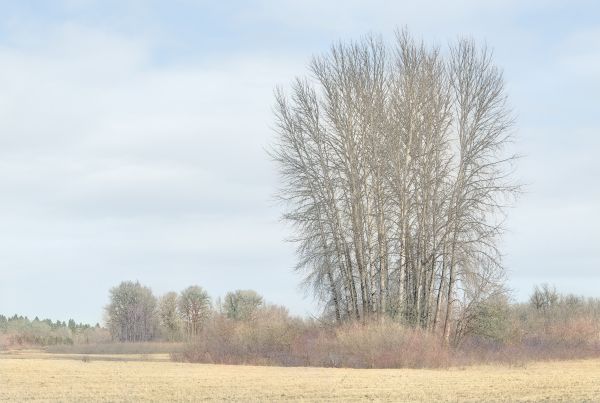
[(135, 314), (395, 177)]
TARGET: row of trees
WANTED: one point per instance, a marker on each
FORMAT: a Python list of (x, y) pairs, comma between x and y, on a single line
[(19, 330), (395, 177), (7, 321), (242, 329), (135, 314)]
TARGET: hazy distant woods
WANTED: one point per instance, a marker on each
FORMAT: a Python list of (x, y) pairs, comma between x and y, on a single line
[(395, 177), (242, 329), (134, 314), (19, 330)]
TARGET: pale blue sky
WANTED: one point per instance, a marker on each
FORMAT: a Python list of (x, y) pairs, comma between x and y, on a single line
[(132, 139)]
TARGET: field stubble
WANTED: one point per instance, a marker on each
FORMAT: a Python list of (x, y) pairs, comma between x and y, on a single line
[(63, 377)]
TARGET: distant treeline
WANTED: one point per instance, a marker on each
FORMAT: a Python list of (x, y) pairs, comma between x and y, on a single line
[(135, 314), (242, 328), (20, 330)]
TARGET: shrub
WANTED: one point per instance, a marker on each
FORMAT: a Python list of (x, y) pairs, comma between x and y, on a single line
[(275, 338), (495, 332)]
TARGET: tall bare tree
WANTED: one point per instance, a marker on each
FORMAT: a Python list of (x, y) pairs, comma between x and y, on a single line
[(395, 177)]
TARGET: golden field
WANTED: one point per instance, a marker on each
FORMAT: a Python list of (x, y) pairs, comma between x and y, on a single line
[(27, 376)]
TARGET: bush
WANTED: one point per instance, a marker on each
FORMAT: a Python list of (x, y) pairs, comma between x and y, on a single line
[(550, 326), (267, 339), (563, 327), (275, 338), (387, 345)]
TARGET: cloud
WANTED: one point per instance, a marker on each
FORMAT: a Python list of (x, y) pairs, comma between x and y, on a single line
[(116, 167), (132, 140)]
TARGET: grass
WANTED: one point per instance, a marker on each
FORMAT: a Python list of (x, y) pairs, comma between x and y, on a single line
[(29, 354), (31, 375), (117, 348)]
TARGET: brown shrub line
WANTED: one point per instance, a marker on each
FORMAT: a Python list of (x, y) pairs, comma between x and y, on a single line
[(281, 342)]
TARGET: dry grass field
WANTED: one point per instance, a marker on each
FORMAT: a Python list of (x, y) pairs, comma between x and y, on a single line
[(35, 376)]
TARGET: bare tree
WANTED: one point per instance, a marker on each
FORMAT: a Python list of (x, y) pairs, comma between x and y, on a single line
[(395, 177), (194, 309), (242, 304), (168, 316), (131, 313), (544, 297)]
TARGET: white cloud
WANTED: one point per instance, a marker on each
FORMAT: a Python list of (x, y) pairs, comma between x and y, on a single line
[(117, 168), (118, 161)]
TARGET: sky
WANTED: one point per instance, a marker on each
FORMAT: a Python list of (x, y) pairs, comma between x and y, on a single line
[(133, 138)]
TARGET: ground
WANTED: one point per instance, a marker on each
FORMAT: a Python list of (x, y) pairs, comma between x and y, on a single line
[(27, 376)]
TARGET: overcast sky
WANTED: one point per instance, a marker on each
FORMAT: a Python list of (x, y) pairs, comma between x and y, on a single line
[(133, 137)]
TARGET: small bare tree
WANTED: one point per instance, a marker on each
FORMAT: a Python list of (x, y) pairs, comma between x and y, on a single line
[(194, 309), (131, 313), (169, 319), (242, 304)]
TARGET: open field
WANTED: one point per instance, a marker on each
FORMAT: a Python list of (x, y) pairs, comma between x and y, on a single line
[(33, 375)]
